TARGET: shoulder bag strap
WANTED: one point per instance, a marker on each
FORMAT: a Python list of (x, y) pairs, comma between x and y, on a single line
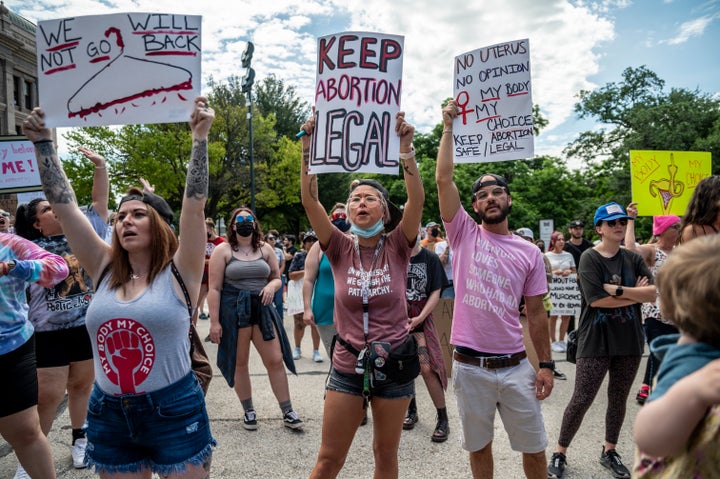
[(179, 279)]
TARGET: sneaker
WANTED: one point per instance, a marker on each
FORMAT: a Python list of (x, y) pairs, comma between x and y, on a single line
[(558, 375), (203, 316), (296, 354), (78, 453), (291, 420), (556, 468), (250, 420), (563, 346), (557, 347), (316, 356), (643, 394), (611, 460), (21, 474), (411, 418)]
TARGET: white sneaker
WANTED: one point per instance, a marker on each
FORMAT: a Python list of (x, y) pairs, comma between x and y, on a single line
[(563, 346), (296, 354), (557, 347), (316, 356), (78, 453), (21, 474)]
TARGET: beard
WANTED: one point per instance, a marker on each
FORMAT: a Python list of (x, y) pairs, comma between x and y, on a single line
[(495, 218)]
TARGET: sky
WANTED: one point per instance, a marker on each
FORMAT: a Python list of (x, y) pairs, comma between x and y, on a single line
[(574, 44)]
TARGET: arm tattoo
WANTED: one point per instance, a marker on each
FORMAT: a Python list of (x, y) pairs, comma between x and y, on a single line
[(56, 187), (406, 167), (196, 184)]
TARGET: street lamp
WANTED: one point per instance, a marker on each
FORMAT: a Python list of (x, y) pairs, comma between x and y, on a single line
[(246, 85)]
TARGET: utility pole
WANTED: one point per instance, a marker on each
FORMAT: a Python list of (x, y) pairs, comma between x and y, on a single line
[(247, 82)]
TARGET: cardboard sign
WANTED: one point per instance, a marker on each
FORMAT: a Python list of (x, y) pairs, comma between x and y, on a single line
[(443, 317), (357, 96), (123, 68), (663, 181), (18, 167), (565, 296), (494, 96)]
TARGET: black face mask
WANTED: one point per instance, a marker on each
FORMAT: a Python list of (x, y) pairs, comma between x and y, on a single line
[(245, 229), (435, 232), (341, 224)]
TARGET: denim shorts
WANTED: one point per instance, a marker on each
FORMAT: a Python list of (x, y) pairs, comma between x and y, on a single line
[(353, 384), (163, 430)]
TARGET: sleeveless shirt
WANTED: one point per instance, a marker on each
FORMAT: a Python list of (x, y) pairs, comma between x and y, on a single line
[(250, 275), (139, 345)]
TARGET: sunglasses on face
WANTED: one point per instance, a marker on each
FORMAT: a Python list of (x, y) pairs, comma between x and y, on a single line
[(271, 238), (484, 194), (339, 216), (612, 223), (243, 219)]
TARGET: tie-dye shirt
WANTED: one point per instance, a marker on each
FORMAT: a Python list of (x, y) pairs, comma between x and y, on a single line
[(32, 265)]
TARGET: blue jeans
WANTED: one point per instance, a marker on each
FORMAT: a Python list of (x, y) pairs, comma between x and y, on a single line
[(353, 384), (163, 430)]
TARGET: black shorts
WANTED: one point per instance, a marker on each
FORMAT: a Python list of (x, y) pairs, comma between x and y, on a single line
[(62, 347), (18, 375)]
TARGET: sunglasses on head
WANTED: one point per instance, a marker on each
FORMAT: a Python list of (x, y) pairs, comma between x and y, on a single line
[(612, 223), (339, 216), (243, 219)]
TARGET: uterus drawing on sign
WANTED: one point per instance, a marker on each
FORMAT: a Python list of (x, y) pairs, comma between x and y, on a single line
[(109, 89), (667, 188)]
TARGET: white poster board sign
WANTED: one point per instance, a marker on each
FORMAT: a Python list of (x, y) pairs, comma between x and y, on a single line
[(357, 96), (565, 296), (18, 167), (123, 68), (492, 88)]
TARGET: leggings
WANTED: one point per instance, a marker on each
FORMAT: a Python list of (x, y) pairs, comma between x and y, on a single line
[(588, 379)]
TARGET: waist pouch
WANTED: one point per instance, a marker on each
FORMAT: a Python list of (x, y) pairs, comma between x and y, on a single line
[(400, 365)]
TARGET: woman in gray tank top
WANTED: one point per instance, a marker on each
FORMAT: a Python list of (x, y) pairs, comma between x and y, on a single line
[(243, 279), (140, 358)]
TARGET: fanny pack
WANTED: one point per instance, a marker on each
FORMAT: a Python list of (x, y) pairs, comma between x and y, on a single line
[(400, 365)]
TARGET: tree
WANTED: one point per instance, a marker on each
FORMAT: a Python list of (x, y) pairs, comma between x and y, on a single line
[(273, 97)]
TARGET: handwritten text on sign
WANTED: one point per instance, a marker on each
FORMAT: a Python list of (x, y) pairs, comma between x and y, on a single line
[(18, 167), (357, 95), (565, 295), (494, 96), (119, 68)]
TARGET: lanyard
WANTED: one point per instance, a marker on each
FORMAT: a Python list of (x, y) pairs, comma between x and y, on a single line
[(366, 279)]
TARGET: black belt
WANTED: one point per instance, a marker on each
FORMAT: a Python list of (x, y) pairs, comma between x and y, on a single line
[(491, 362)]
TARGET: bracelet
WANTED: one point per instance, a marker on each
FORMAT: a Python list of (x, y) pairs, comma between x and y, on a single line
[(46, 140), (447, 130), (408, 155)]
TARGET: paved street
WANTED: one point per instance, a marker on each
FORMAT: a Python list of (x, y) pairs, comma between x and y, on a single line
[(275, 452)]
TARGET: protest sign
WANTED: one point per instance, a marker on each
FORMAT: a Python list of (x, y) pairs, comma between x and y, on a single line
[(494, 95), (357, 96), (565, 296), (123, 68), (18, 167), (664, 181)]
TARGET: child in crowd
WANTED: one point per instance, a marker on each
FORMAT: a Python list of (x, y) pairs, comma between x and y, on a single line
[(677, 432)]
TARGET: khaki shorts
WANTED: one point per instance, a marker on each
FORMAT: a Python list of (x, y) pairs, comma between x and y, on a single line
[(479, 392)]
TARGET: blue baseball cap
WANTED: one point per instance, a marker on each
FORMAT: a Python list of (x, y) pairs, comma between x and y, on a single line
[(608, 212)]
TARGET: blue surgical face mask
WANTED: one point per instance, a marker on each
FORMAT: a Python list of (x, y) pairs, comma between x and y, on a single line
[(369, 232)]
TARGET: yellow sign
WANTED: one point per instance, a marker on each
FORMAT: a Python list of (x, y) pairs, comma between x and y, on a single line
[(664, 181)]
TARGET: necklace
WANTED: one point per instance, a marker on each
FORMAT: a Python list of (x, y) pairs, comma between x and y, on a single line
[(245, 252), (134, 276)]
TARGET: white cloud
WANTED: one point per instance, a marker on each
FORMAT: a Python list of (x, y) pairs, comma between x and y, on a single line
[(690, 29), (565, 38)]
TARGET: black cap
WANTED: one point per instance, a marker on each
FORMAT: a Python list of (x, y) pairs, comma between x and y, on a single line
[(156, 201), (497, 180), (395, 213), (575, 223)]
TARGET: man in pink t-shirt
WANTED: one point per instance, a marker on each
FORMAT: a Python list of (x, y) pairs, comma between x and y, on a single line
[(492, 270)]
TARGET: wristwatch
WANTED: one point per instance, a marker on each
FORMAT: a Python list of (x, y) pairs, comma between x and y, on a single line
[(547, 365), (619, 290)]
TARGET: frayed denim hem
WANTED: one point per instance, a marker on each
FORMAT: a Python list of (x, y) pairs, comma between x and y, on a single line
[(160, 469)]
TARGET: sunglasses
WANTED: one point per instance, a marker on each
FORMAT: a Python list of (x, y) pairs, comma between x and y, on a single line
[(484, 194), (339, 216), (612, 223), (271, 238), (243, 219)]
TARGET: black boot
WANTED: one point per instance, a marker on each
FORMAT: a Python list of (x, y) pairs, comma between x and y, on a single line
[(442, 428), (411, 418)]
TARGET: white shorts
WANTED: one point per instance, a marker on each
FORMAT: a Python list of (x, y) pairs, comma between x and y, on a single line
[(294, 297), (511, 391)]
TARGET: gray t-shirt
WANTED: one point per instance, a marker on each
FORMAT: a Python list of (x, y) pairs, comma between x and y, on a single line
[(140, 345)]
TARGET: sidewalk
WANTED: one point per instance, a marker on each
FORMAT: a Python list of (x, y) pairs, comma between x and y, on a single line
[(276, 452)]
